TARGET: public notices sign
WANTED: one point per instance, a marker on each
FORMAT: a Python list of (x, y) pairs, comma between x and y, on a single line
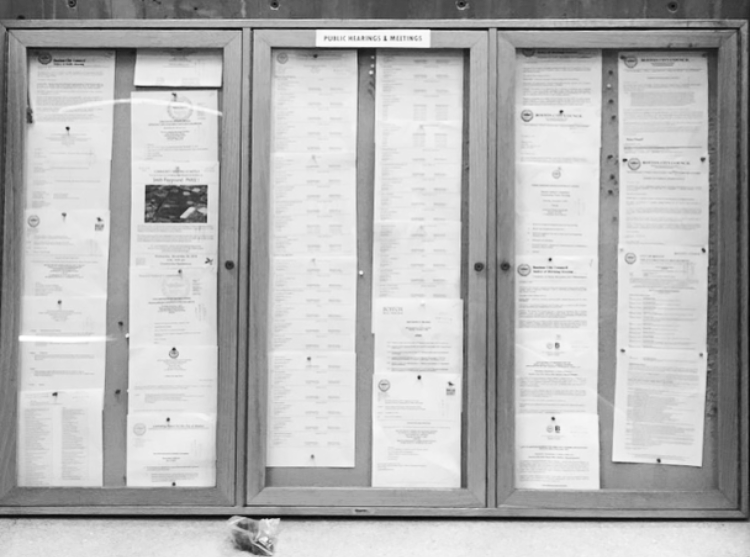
[(372, 38)]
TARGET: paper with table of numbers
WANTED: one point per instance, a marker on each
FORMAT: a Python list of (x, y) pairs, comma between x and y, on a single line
[(60, 438)]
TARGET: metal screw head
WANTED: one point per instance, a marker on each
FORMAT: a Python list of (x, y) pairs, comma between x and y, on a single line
[(479, 267), (229, 265), (505, 266), (72, 3)]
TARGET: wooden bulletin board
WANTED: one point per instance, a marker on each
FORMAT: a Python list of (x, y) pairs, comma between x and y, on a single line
[(245, 484)]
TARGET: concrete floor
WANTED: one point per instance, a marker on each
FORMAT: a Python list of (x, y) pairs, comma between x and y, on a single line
[(34, 537)]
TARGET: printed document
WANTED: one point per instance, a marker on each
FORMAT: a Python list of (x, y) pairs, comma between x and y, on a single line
[(173, 307), (660, 407), (559, 451), (416, 430), (175, 215), (662, 297), (60, 438), (663, 103), (173, 126), (171, 450), (178, 67), (172, 378), (313, 304), (557, 209), (418, 335), (311, 409)]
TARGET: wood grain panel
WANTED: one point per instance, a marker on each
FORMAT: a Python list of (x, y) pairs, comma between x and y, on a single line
[(375, 9)]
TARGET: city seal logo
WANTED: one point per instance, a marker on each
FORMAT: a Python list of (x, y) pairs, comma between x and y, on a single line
[(282, 58), (139, 429), (634, 163), (630, 61), (556, 173), (33, 221), (180, 108), (175, 286), (527, 115), (524, 269), (384, 385), (630, 258), (174, 353), (44, 57)]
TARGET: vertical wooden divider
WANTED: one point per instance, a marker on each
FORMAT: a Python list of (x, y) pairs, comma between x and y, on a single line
[(365, 231), (609, 199), (492, 268), (505, 244), (118, 280)]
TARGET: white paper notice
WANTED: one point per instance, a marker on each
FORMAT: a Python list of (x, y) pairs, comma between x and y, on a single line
[(659, 407), (67, 184), (171, 450), (662, 297), (418, 335), (311, 409), (663, 103), (557, 293), (71, 96), (173, 307), (67, 86), (175, 126), (556, 372), (420, 86), (664, 199), (172, 379), (66, 252), (314, 207), (417, 260), (314, 99), (49, 366), (65, 319), (416, 430), (565, 78), (313, 304), (178, 67), (557, 452), (174, 215), (557, 209), (558, 103), (60, 438)]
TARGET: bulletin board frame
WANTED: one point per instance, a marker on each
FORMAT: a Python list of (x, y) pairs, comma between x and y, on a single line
[(489, 491), (310, 486), (114, 492), (714, 489)]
